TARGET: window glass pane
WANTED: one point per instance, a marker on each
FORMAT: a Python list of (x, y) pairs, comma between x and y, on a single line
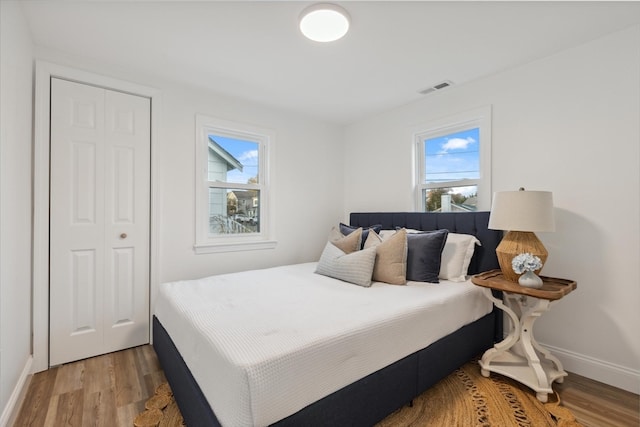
[(451, 199), (232, 160), (452, 157), (233, 211)]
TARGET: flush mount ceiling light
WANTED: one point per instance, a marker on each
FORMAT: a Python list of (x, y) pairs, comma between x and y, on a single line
[(324, 22)]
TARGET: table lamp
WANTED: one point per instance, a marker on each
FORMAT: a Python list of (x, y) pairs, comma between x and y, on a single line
[(521, 213)]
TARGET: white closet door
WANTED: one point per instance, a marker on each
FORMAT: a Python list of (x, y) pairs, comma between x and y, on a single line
[(127, 195), (99, 221)]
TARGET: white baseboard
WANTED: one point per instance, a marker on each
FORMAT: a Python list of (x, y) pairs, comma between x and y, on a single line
[(10, 411), (599, 370)]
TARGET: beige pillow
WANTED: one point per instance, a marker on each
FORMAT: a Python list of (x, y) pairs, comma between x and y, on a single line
[(456, 256), (347, 244), (391, 257)]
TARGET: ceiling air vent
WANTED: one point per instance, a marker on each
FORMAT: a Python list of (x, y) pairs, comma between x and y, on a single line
[(439, 86)]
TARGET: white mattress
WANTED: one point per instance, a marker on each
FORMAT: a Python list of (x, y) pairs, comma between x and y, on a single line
[(264, 344)]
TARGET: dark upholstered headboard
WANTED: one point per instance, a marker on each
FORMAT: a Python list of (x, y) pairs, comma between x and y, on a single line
[(476, 223)]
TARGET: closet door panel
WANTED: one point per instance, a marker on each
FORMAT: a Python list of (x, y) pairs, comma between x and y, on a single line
[(99, 221), (76, 221)]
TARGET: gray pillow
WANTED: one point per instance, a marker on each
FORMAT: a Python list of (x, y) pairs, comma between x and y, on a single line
[(356, 267), (423, 257)]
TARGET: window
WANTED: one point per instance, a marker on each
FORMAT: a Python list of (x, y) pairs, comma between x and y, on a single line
[(453, 163), (232, 203)]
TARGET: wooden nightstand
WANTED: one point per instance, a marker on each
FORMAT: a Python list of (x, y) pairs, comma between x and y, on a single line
[(519, 356)]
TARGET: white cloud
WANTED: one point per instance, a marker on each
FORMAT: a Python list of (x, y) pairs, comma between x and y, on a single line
[(248, 156), (457, 144)]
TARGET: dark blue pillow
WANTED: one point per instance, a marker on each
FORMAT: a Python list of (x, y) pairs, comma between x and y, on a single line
[(348, 229), (424, 254)]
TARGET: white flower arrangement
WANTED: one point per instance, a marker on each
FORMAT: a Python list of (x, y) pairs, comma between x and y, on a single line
[(525, 262)]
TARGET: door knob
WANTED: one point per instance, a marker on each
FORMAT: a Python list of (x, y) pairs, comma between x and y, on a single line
[(123, 236)]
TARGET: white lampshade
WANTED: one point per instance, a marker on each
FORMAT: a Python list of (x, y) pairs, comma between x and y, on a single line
[(324, 22), (522, 211)]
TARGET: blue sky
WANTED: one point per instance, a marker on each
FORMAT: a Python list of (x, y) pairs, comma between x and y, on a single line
[(244, 151), (453, 156)]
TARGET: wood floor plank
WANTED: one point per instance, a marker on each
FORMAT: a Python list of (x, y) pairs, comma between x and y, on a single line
[(69, 378), (599, 405), (100, 409), (36, 403), (99, 374), (147, 359), (128, 386), (52, 412), (142, 366), (127, 413), (153, 380), (69, 409)]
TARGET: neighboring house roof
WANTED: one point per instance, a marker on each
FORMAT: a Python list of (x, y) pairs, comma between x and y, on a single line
[(232, 162), (471, 201), (244, 194), (459, 208)]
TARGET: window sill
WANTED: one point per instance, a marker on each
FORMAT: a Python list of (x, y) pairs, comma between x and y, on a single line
[(209, 248)]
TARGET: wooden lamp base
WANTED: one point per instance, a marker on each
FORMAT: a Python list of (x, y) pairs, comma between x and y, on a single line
[(515, 243)]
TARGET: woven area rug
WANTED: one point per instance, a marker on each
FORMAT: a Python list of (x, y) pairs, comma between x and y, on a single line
[(463, 399), (161, 410), (466, 398)]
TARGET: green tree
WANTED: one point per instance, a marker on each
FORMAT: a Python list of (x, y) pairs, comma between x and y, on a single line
[(232, 204), (253, 180), (458, 198), (434, 202)]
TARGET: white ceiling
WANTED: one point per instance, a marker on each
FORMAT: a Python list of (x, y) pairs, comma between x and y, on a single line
[(255, 51)]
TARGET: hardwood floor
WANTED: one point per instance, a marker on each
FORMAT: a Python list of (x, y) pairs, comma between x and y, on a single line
[(595, 404), (111, 390), (108, 390)]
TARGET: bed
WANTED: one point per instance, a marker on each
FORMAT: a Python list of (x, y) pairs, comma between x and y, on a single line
[(372, 380)]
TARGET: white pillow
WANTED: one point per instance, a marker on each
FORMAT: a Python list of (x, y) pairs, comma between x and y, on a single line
[(356, 267), (456, 256)]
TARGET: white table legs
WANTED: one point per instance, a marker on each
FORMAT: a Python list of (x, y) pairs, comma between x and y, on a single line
[(519, 356)]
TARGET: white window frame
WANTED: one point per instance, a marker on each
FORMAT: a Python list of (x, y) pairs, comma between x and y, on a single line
[(478, 118), (263, 239)]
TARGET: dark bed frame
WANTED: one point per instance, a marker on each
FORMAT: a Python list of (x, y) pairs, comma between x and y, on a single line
[(369, 400)]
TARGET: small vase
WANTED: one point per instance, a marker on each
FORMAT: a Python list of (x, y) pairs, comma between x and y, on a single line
[(530, 280)]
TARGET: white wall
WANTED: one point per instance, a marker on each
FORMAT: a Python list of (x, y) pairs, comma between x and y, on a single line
[(16, 72), (570, 124)]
